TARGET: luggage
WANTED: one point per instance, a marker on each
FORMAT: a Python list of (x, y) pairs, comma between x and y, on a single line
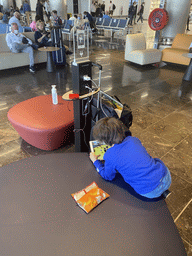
[(59, 57), (108, 106)]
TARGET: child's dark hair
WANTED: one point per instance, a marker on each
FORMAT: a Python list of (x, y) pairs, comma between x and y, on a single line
[(54, 11), (109, 130)]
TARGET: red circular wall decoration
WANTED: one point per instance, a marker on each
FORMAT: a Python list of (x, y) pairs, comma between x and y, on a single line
[(158, 19)]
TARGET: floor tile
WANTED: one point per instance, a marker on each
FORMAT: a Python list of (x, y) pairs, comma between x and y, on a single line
[(142, 119), (157, 108), (11, 152), (156, 146), (184, 224), (180, 164), (179, 121), (168, 132), (185, 110), (185, 146), (7, 133), (172, 100), (188, 247)]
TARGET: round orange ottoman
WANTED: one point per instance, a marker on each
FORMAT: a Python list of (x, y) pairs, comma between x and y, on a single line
[(43, 124)]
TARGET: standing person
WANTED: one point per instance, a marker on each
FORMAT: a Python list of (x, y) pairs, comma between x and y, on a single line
[(111, 8), (148, 176), (103, 7), (99, 11), (19, 43), (39, 9), (91, 21), (140, 12), (188, 22), (27, 11), (93, 9), (56, 19), (135, 13), (131, 13), (47, 10)]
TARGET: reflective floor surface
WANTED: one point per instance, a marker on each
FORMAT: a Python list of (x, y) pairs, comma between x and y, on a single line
[(162, 114)]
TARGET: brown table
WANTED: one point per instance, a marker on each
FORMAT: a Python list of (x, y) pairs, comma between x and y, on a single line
[(49, 50), (39, 217)]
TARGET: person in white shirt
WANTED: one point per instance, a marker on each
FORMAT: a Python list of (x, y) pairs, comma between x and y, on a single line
[(74, 17), (110, 8), (15, 19), (79, 23), (47, 10), (19, 43), (93, 9)]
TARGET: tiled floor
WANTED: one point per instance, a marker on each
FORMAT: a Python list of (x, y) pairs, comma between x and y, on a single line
[(162, 111)]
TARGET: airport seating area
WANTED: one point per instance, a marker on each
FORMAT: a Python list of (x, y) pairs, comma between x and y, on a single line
[(12, 60), (40, 167)]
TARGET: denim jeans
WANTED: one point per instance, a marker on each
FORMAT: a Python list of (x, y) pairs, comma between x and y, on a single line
[(164, 184)]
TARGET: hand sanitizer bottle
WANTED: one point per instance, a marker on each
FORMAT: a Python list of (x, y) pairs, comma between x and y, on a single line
[(54, 94)]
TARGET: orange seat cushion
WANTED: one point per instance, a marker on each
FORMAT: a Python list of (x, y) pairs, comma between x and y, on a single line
[(41, 123)]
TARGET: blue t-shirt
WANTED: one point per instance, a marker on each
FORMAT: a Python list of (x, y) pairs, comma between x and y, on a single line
[(136, 166)]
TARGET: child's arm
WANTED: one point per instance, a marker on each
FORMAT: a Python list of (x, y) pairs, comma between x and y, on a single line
[(107, 173)]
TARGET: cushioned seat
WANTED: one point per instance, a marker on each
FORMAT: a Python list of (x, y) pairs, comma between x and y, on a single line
[(174, 55), (42, 124), (136, 52), (180, 46)]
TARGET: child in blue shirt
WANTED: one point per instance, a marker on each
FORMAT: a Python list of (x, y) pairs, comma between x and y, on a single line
[(148, 176)]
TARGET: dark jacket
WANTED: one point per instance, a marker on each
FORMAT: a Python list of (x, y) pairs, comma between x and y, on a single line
[(39, 10), (44, 41), (141, 10)]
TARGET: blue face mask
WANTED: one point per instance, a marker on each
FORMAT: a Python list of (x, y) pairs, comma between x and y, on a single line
[(78, 18)]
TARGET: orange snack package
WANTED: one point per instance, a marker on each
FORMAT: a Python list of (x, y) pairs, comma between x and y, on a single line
[(90, 197)]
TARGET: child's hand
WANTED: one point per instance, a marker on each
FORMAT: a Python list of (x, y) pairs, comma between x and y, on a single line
[(93, 157)]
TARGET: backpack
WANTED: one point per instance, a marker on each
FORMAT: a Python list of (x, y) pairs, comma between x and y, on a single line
[(114, 7)]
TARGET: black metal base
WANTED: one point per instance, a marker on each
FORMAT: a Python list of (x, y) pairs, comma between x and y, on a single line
[(50, 63)]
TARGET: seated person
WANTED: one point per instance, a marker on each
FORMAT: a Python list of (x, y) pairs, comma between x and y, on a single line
[(21, 9), (106, 16), (5, 18), (57, 22), (148, 176), (79, 23), (74, 17), (33, 23), (19, 43), (15, 19), (42, 37)]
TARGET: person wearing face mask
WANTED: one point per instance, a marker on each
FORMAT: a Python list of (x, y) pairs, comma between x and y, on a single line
[(19, 43), (42, 36), (15, 19)]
